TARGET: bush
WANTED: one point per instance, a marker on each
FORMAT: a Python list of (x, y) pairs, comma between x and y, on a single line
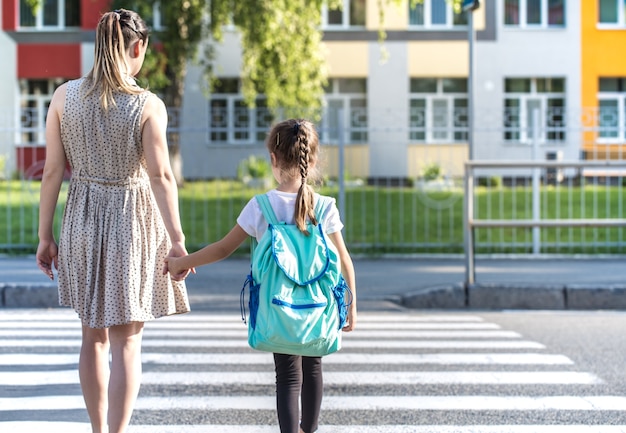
[(254, 167), (491, 181), (432, 172)]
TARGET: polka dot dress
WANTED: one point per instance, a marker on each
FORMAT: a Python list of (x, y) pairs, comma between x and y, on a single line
[(113, 240)]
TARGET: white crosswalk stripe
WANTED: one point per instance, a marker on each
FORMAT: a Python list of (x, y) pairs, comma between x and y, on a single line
[(199, 365)]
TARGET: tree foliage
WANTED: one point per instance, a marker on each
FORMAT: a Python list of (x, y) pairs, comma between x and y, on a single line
[(282, 49), (281, 41)]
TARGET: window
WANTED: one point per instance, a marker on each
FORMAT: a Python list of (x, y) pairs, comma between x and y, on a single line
[(438, 110), (352, 14), (231, 120), (346, 105), (35, 97), (534, 13), (435, 14), (52, 14), (611, 12), (612, 109), (525, 95), (155, 22)]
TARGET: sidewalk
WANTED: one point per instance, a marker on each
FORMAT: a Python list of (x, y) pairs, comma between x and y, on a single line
[(392, 283)]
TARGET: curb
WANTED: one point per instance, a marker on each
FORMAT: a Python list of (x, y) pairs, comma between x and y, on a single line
[(495, 296), (16, 295), (491, 296)]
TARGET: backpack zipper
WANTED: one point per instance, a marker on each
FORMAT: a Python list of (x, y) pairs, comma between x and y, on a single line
[(298, 306)]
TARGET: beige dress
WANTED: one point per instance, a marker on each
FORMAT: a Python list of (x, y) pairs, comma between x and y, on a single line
[(113, 240)]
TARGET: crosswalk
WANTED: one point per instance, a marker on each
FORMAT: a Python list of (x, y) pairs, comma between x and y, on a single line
[(398, 373)]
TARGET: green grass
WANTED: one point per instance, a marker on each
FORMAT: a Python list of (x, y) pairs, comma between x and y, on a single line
[(378, 219)]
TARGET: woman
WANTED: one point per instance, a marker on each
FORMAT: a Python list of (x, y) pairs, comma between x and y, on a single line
[(121, 217)]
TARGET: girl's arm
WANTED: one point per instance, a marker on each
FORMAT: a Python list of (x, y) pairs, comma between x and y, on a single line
[(53, 172), (211, 253), (347, 270)]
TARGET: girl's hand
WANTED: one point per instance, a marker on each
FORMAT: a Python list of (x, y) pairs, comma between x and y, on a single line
[(176, 272), (351, 320)]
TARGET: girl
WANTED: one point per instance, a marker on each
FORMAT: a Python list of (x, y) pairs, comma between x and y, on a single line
[(121, 218), (293, 146)]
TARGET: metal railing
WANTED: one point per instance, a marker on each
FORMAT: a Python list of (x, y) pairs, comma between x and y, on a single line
[(471, 222)]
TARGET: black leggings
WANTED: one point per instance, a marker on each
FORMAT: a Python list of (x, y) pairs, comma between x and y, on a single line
[(295, 374)]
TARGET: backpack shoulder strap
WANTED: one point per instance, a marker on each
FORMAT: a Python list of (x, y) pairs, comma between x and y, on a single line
[(266, 208)]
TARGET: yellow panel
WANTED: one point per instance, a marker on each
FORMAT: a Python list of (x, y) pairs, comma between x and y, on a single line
[(450, 157), (438, 59), (396, 15), (357, 160), (479, 18), (347, 58)]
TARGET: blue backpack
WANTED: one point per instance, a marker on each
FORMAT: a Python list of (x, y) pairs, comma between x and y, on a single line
[(297, 293)]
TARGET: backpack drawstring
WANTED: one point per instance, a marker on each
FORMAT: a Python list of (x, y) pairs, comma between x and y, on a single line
[(242, 296)]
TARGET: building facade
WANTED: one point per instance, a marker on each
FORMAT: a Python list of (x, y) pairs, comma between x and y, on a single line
[(546, 83)]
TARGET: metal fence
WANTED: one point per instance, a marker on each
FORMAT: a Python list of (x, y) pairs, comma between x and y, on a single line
[(552, 219), (419, 213)]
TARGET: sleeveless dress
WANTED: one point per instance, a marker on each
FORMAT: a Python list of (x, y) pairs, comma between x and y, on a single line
[(113, 240)]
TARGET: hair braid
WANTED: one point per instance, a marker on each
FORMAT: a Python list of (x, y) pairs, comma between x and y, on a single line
[(305, 199)]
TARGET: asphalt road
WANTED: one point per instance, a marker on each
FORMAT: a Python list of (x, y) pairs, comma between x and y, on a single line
[(401, 371)]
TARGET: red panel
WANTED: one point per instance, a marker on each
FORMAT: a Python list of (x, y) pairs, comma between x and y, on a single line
[(48, 61), (91, 11), (9, 14), (31, 159)]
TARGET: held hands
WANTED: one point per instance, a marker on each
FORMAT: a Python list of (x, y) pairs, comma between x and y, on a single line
[(172, 265), (47, 255)]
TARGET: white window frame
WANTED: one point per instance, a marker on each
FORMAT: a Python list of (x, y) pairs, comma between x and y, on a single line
[(619, 97), (620, 128), (433, 132), (257, 123), (523, 19), (427, 5), (621, 16), (354, 118), (345, 21), (525, 116), (34, 116), (39, 24)]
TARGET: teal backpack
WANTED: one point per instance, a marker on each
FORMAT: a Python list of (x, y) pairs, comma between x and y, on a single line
[(297, 293)]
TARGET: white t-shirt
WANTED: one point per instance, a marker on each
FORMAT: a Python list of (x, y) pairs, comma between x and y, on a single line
[(252, 221)]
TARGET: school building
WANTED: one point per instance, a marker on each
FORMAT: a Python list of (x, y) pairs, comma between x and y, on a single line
[(395, 113)]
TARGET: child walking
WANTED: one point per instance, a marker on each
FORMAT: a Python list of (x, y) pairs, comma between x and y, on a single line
[(293, 146)]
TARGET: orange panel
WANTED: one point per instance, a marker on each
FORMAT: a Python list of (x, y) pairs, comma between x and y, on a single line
[(601, 53)]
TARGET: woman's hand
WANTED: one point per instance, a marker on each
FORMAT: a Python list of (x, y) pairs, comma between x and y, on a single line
[(176, 272), (47, 255)]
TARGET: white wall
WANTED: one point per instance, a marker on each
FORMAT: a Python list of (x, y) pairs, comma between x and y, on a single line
[(530, 53), (388, 111)]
